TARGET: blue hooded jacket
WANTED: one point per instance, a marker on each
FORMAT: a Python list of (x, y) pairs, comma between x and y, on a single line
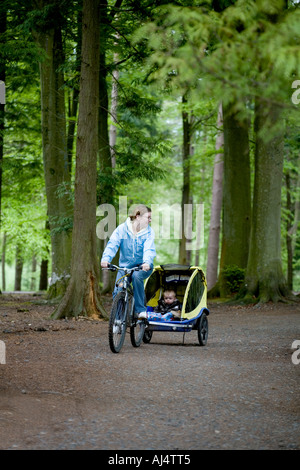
[(135, 249)]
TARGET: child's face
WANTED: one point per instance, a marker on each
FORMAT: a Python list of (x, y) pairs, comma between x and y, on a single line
[(169, 297)]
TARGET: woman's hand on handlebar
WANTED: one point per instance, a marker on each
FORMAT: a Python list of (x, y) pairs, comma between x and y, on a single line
[(104, 264), (145, 267)]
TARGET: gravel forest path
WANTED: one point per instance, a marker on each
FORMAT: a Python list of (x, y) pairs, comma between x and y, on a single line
[(62, 388)]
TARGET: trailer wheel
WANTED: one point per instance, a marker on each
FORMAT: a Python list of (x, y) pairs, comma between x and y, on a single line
[(147, 336), (203, 330)]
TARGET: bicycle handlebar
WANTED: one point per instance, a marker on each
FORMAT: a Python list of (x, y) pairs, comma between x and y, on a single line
[(113, 267)]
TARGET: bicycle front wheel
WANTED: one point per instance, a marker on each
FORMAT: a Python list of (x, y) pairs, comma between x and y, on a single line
[(117, 323)]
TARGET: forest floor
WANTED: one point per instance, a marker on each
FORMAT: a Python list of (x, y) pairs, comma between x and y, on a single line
[(62, 388)]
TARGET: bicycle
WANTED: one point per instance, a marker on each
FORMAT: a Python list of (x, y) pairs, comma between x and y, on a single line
[(122, 313)]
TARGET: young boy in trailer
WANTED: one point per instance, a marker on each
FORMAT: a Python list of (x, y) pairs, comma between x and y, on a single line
[(168, 308)]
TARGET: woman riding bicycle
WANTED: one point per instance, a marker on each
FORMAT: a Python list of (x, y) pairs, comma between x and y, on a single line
[(135, 238)]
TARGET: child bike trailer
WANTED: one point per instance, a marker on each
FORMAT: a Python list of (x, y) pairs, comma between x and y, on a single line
[(189, 284)]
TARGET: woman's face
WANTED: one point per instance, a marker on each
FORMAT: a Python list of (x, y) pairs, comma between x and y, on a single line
[(144, 219)]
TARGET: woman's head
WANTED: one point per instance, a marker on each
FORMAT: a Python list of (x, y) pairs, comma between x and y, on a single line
[(139, 210), (140, 215)]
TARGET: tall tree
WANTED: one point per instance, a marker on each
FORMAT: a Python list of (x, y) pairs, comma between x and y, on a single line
[(3, 262), (73, 94), (289, 225), (2, 124), (236, 199), (82, 296), (18, 269), (216, 207), (113, 109), (55, 155), (105, 165), (236, 195), (2, 104), (106, 187), (264, 276), (184, 254)]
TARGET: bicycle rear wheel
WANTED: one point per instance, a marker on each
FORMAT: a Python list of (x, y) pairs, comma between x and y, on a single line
[(117, 323)]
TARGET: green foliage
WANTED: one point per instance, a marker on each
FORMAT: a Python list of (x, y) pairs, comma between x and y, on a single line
[(24, 204), (250, 49), (61, 224), (234, 278), (141, 144), (216, 50), (24, 227)]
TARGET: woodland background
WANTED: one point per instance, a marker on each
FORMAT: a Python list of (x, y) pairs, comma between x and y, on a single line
[(162, 102)]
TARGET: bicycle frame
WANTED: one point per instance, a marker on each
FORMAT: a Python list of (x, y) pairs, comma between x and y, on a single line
[(127, 288), (122, 313)]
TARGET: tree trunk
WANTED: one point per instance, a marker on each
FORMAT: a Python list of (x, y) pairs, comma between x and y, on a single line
[(216, 207), (236, 196), (184, 254), (73, 98), (264, 277), (2, 107), (105, 165), (106, 193), (44, 275), (55, 155), (43, 284), (294, 228), (73, 105), (83, 295), (113, 112), (289, 224), (33, 274), (3, 262), (18, 269)]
